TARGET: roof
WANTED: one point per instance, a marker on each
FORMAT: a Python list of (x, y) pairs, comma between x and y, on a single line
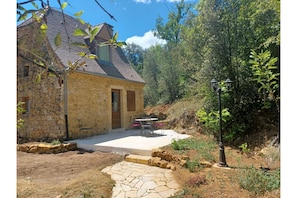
[(119, 67)]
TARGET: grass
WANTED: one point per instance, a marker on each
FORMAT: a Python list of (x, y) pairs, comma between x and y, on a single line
[(203, 146)]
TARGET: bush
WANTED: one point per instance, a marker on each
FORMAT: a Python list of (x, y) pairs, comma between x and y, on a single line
[(55, 142), (179, 145), (193, 165), (258, 182), (196, 181)]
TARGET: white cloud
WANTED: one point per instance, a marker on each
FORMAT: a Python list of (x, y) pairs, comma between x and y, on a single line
[(158, 1), (143, 1), (145, 41)]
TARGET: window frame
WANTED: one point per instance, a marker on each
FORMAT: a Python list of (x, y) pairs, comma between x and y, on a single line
[(103, 51)]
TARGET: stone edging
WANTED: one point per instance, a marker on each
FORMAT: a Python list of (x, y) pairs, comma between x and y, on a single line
[(47, 148)]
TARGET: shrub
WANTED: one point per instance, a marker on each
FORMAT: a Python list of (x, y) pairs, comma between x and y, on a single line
[(178, 145), (258, 182), (193, 165), (55, 142), (196, 181), (244, 148)]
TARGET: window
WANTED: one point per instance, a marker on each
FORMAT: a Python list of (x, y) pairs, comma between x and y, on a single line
[(131, 101), (103, 53), (26, 70), (25, 105)]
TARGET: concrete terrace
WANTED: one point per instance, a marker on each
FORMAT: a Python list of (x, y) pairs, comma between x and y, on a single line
[(129, 141)]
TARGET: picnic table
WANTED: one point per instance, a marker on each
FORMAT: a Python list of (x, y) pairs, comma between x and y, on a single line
[(147, 124)]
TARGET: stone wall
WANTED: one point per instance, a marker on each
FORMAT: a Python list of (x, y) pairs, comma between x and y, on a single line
[(89, 103), (44, 120)]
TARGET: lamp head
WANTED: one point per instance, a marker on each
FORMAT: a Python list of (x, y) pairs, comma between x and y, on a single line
[(214, 84), (228, 83)]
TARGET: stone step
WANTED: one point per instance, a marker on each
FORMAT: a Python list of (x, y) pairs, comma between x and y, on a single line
[(140, 159)]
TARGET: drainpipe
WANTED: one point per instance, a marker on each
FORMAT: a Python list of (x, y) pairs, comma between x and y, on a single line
[(66, 104)]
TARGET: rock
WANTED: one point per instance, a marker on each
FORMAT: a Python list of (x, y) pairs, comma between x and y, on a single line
[(183, 163), (154, 161), (46, 148), (171, 166), (206, 164), (163, 164)]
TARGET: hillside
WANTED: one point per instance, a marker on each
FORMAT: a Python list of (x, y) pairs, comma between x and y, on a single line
[(245, 165)]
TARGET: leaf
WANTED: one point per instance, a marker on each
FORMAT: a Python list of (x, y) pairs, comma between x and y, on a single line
[(79, 44), (51, 74), (70, 64), (82, 21), (58, 39), (121, 44), (43, 27), (115, 36), (93, 33), (81, 54), (64, 5), (103, 44), (79, 32), (78, 14), (26, 12), (38, 78), (93, 56)]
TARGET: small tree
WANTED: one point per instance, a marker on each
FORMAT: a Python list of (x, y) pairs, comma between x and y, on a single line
[(265, 74)]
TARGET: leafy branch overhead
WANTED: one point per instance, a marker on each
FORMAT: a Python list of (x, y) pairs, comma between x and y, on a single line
[(38, 14)]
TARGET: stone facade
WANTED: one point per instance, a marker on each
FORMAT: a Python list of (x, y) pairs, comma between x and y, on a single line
[(89, 103), (44, 118), (74, 103)]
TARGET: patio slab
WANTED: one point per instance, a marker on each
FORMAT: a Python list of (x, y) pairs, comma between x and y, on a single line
[(129, 141)]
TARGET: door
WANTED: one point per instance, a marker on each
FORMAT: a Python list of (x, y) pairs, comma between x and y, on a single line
[(116, 108)]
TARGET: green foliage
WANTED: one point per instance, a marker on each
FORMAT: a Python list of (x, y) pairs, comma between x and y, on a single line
[(55, 142), (204, 147), (20, 110), (265, 74), (211, 119), (244, 148), (134, 54), (178, 145), (258, 182), (234, 131), (193, 165)]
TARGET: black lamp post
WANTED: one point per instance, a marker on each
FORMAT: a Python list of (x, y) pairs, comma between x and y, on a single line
[(216, 88)]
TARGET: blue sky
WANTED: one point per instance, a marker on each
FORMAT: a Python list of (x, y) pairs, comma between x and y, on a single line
[(135, 18)]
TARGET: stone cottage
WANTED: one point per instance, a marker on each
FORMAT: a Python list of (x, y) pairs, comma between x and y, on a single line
[(66, 95)]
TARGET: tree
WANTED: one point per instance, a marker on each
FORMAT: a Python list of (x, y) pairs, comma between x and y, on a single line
[(151, 67), (217, 44), (172, 29), (134, 54)]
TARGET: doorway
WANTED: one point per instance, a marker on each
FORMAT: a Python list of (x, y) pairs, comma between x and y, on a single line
[(116, 108)]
